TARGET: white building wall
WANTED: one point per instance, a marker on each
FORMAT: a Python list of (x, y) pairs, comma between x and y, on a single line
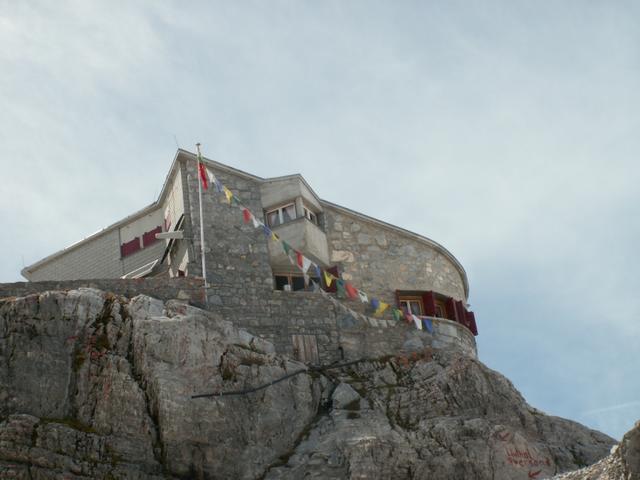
[(98, 258)]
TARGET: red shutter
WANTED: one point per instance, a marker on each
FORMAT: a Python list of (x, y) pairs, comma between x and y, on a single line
[(471, 322), (461, 312), (150, 237), (130, 247), (451, 309), (333, 271), (429, 301)]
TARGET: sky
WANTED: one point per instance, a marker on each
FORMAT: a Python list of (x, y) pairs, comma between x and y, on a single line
[(503, 130)]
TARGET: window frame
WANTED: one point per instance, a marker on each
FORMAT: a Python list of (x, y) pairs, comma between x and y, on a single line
[(280, 211), (411, 299), (309, 214)]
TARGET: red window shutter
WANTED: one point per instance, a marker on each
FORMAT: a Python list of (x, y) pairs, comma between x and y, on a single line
[(130, 247), (150, 237), (333, 271), (471, 322), (429, 302), (451, 309), (461, 312)]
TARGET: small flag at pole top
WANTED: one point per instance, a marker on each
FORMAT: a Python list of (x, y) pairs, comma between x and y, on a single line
[(203, 173)]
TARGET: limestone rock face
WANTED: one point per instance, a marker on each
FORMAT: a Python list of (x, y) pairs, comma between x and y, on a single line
[(622, 464), (95, 386)]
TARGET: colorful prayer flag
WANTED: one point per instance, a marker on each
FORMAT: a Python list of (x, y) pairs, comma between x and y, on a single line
[(363, 296), (299, 258), (317, 271), (427, 325), (397, 314), (340, 288), (286, 247), (256, 222), (375, 303), (351, 291), (266, 230), (306, 264), (328, 278), (380, 310), (417, 321), (246, 215), (228, 194)]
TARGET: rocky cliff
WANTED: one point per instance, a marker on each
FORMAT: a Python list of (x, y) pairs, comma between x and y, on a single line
[(93, 385)]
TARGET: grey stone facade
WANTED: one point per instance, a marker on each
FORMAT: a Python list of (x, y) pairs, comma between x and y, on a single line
[(386, 261)]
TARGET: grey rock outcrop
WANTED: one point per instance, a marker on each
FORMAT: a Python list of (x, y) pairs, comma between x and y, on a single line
[(95, 386), (622, 464)]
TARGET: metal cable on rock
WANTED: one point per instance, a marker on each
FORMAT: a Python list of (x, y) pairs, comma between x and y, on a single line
[(312, 368)]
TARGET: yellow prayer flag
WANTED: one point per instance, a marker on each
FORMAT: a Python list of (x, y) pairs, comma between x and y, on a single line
[(383, 306), (327, 279), (228, 194), (274, 237)]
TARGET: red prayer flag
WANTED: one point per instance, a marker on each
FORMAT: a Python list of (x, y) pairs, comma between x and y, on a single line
[(351, 291), (203, 175), (299, 258), (246, 214)]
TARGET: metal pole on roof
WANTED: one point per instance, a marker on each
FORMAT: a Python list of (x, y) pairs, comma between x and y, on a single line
[(204, 267)]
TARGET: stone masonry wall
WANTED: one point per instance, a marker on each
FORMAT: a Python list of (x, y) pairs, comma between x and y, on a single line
[(182, 288), (382, 261), (340, 335)]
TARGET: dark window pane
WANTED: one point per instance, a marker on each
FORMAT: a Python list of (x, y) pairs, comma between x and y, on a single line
[(281, 281), (298, 283)]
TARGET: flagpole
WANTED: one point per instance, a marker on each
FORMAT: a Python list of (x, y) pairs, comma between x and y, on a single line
[(204, 267)]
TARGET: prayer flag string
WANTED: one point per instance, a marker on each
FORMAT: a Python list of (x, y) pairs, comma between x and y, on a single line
[(343, 289)]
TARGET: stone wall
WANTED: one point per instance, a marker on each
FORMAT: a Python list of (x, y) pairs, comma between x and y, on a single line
[(339, 334), (189, 289), (382, 260)]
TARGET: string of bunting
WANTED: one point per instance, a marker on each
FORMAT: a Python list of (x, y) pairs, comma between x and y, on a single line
[(344, 289)]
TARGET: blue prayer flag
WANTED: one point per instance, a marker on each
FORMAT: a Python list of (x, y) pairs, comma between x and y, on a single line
[(375, 303), (427, 325)]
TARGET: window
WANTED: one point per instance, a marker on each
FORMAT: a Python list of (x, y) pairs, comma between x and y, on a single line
[(309, 215), (412, 305), (441, 309), (281, 215), (292, 282)]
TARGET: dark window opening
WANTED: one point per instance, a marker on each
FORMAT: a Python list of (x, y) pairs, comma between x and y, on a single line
[(293, 283)]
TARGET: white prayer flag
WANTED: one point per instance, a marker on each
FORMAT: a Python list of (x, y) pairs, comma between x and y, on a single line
[(363, 296), (417, 321), (306, 263)]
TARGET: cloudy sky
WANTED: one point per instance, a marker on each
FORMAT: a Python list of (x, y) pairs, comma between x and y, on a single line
[(503, 130)]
